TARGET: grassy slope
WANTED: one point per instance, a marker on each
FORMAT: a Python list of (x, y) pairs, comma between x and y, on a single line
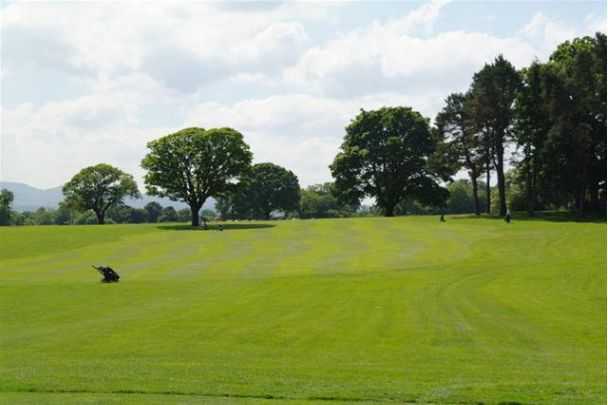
[(401, 309)]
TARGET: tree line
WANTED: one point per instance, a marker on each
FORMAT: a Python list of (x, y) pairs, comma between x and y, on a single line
[(550, 117), (152, 212)]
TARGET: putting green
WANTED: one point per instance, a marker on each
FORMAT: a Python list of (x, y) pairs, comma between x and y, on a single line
[(359, 310)]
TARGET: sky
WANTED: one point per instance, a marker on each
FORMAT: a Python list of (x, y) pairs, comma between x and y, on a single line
[(90, 82)]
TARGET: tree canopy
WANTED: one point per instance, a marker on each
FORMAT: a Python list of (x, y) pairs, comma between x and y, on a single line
[(265, 188), (320, 201), (154, 211), (385, 155), (194, 164), (98, 188)]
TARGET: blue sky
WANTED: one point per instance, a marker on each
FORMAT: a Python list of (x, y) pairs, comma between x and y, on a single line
[(90, 82)]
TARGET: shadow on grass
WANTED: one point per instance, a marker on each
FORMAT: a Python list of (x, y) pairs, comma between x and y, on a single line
[(215, 227), (551, 216)]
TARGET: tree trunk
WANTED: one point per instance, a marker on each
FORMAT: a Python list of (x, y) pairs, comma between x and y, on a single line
[(580, 201), (196, 220), (389, 210), (488, 189), (500, 174), (594, 197), (100, 217), (530, 190), (475, 193)]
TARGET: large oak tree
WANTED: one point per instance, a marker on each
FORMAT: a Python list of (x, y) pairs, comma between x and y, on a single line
[(386, 155), (98, 188), (194, 164), (265, 188)]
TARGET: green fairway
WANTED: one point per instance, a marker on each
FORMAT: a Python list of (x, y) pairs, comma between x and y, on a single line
[(376, 309)]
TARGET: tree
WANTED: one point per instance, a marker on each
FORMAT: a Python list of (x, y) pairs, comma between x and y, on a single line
[(183, 215), (385, 155), (464, 147), (98, 188), (493, 94), (266, 188), (208, 214), (194, 164), (6, 199), (120, 213), (63, 215), (320, 201), (86, 218), (462, 199), (138, 215), (575, 84), (532, 125), (168, 215), (43, 216), (154, 211), (226, 204)]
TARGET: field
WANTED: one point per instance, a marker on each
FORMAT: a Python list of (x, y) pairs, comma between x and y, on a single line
[(349, 310)]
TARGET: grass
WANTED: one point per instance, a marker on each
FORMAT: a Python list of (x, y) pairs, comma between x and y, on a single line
[(356, 310)]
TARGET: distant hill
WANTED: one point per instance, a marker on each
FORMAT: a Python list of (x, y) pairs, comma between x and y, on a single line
[(28, 198)]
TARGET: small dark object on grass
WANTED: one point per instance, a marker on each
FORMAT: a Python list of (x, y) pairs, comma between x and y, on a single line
[(221, 227), (109, 275), (442, 218), (508, 217)]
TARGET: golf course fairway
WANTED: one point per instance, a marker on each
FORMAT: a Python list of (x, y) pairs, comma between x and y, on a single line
[(367, 310)]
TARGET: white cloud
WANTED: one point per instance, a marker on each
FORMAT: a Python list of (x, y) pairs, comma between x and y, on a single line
[(547, 31), (91, 82), (299, 131), (183, 45)]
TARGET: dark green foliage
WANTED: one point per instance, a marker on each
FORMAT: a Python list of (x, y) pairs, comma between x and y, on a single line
[(63, 215), (194, 164), (265, 188), (385, 155), (86, 218), (168, 214), (6, 199), (154, 211), (463, 145), (560, 129), (120, 213), (320, 201), (532, 124), (98, 188), (553, 113), (462, 199), (208, 214), (576, 141), (138, 216), (183, 215), (493, 93), (42, 216)]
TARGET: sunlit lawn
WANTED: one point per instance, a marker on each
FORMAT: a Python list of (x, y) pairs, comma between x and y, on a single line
[(404, 309)]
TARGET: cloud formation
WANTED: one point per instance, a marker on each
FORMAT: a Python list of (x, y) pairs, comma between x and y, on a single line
[(84, 83)]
